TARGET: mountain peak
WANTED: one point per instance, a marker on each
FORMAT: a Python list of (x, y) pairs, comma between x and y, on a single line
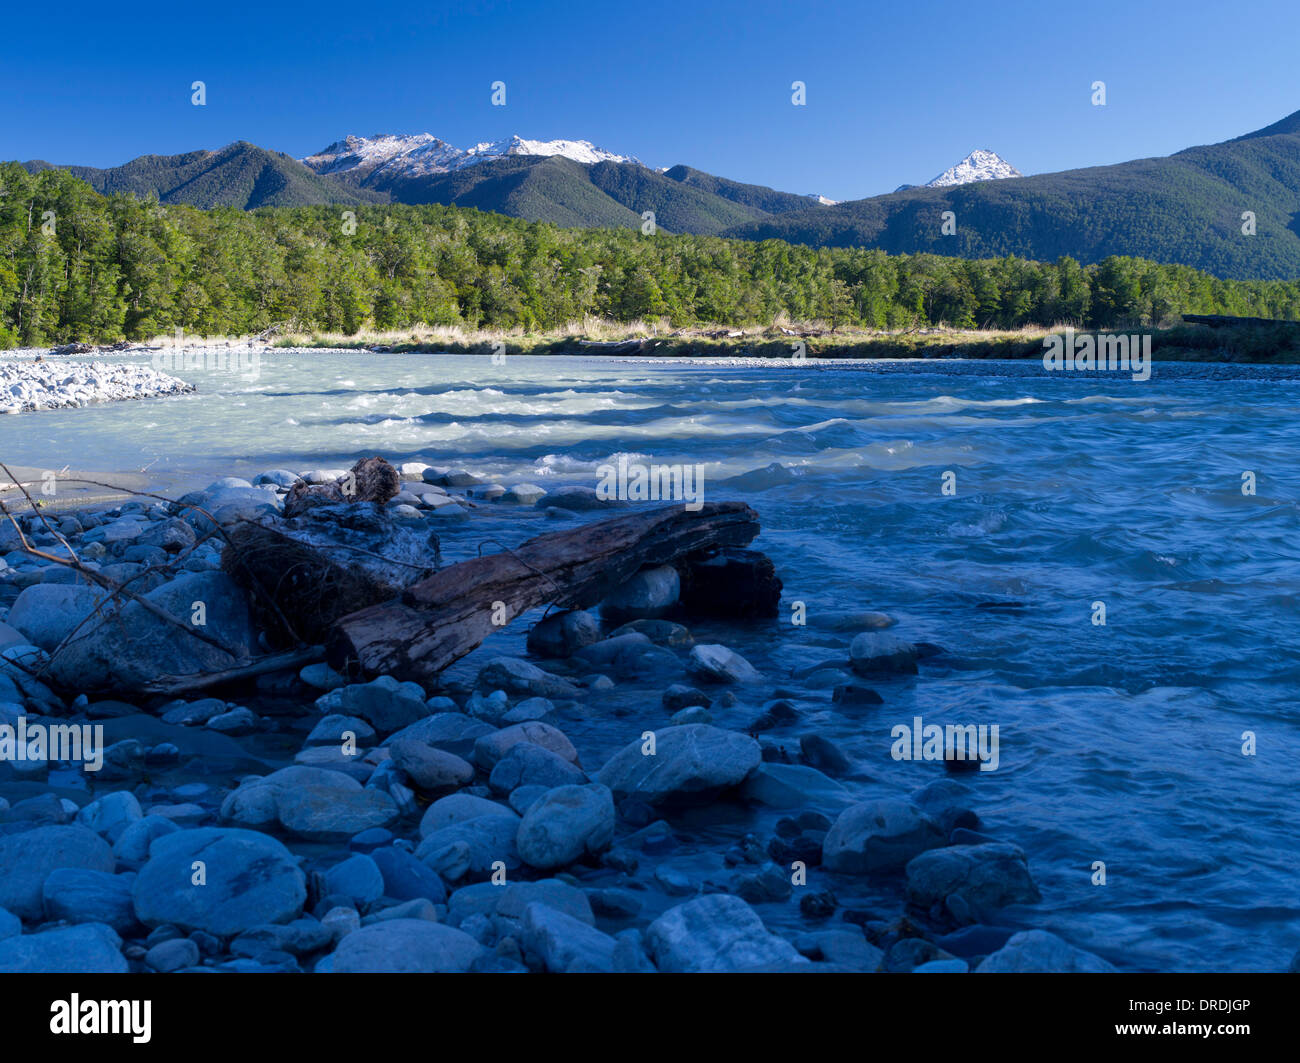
[(420, 154), (980, 165)]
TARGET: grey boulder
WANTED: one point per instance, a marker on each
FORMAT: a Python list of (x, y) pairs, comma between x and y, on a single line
[(972, 880), (647, 595), (134, 646), (405, 946), (717, 933), (91, 948), (313, 803), (1039, 951), (566, 824), (560, 943), (219, 880), (879, 836), (28, 858), (690, 762)]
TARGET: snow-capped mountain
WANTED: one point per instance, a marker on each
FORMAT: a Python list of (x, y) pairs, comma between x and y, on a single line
[(421, 154), (979, 165), (578, 150), (823, 200)]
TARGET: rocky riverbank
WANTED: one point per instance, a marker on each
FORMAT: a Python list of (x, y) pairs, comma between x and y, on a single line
[(525, 815), (27, 385)]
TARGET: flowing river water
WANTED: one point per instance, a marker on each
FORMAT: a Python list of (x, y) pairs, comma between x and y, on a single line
[(1120, 743)]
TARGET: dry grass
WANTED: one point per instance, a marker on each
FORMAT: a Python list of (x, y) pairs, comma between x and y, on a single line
[(782, 337)]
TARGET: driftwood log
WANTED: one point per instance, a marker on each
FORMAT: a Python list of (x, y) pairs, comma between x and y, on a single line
[(440, 619), (616, 346)]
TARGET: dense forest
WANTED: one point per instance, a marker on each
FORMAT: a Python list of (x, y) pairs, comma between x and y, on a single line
[(76, 265)]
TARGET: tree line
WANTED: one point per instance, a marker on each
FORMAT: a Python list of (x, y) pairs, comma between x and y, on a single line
[(76, 265)]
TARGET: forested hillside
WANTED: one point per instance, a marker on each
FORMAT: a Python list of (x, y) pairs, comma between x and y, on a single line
[(239, 175), (76, 265), (1185, 208)]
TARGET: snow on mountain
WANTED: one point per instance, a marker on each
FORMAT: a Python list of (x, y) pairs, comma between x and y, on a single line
[(367, 154), (823, 200), (578, 150), (979, 165), (422, 153)]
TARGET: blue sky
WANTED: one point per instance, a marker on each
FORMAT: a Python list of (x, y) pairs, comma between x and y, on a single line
[(896, 92)]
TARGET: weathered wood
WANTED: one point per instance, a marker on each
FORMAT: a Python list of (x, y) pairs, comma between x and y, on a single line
[(304, 573), (615, 346), (440, 619)]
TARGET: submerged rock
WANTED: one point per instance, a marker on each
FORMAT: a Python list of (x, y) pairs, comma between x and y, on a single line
[(576, 498), (563, 634), (879, 836), (680, 696), (718, 664), (660, 632), (874, 653), (793, 786), (972, 880), (523, 494), (630, 656)]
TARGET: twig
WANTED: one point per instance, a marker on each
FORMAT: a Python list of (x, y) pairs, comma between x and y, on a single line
[(217, 529), (95, 577), (273, 663)]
